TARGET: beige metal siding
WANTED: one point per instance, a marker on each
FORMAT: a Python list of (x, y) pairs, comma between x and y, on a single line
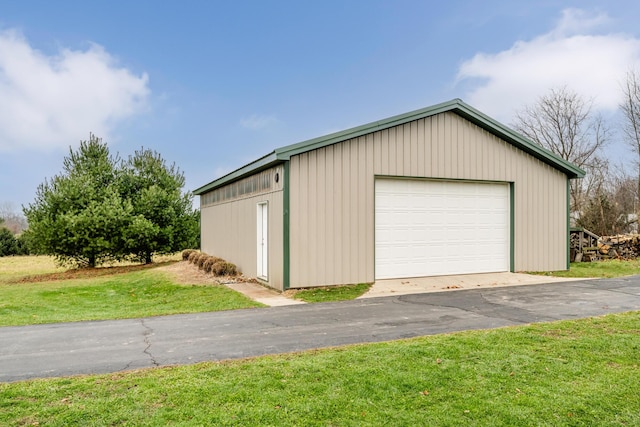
[(229, 231), (332, 188)]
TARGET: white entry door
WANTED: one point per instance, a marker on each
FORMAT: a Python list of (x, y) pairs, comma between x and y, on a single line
[(262, 240), (433, 228)]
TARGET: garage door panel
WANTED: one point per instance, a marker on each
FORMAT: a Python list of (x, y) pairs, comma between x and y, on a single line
[(426, 228)]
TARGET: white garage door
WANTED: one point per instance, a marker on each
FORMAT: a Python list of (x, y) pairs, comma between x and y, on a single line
[(433, 228)]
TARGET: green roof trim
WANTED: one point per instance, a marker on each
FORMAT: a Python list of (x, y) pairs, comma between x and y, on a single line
[(254, 167), (457, 106)]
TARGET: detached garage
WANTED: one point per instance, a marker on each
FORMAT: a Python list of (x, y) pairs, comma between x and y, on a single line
[(438, 191)]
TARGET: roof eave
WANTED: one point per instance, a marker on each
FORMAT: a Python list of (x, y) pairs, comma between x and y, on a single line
[(456, 106), (262, 163), (526, 145)]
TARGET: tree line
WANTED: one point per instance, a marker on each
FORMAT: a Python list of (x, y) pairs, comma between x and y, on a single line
[(101, 208), (10, 243), (11, 226), (605, 201)]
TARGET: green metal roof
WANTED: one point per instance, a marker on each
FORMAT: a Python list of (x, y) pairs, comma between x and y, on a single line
[(456, 106)]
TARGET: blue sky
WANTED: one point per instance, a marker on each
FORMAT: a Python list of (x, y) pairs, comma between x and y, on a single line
[(212, 85)]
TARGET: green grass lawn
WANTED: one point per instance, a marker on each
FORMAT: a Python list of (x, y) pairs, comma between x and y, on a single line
[(568, 373), (332, 293), (124, 292), (605, 268)]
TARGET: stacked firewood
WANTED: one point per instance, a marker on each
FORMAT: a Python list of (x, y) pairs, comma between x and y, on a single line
[(622, 246), (584, 245), (575, 243)]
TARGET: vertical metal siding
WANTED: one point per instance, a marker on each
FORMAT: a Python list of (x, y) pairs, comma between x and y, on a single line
[(229, 231), (332, 206)]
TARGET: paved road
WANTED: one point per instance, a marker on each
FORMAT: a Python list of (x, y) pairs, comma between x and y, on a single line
[(110, 346)]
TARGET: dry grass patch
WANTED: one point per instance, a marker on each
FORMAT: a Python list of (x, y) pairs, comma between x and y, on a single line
[(36, 269), (86, 273), (186, 273), (14, 267)]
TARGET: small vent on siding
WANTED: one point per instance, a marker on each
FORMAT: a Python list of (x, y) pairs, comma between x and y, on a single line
[(258, 183)]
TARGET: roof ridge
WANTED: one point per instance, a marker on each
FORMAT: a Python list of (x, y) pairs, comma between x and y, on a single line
[(456, 105)]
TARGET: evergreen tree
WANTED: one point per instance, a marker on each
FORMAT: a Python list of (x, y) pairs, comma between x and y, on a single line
[(8, 243), (163, 219), (101, 209), (78, 215)]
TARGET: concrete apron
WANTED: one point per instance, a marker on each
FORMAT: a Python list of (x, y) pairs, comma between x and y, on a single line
[(415, 285), (418, 285)]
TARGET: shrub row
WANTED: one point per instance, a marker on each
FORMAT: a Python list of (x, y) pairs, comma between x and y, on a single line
[(210, 264)]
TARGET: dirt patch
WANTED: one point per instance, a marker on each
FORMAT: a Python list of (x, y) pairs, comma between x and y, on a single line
[(88, 273), (185, 273), (182, 272)]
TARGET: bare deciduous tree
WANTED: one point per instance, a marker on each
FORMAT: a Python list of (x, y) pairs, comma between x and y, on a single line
[(623, 188), (631, 111), (563, 123), (13, 220)]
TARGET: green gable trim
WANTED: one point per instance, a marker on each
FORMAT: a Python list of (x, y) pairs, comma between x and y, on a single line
[(518, 140), (334, 138), (259, 165), (455, 106)]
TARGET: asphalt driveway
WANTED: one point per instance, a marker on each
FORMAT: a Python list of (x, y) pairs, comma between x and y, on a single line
[(110, 346)]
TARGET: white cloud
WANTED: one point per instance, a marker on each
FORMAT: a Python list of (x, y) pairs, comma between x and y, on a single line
[(572, 54), (257, 121), (578, 21), (55, 101)]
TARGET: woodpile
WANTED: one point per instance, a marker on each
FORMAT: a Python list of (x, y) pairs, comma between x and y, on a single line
[(622, 246), (586, 246), (583, 245)]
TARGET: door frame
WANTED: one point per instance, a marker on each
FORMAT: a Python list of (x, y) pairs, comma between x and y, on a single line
[(262, 240)]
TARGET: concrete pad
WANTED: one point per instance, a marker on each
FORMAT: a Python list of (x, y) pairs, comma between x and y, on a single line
[(417, 285), (262, 294)]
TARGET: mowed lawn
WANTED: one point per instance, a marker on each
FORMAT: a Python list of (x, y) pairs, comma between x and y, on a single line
[(568, 373), (599, 269), (33, 290)]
